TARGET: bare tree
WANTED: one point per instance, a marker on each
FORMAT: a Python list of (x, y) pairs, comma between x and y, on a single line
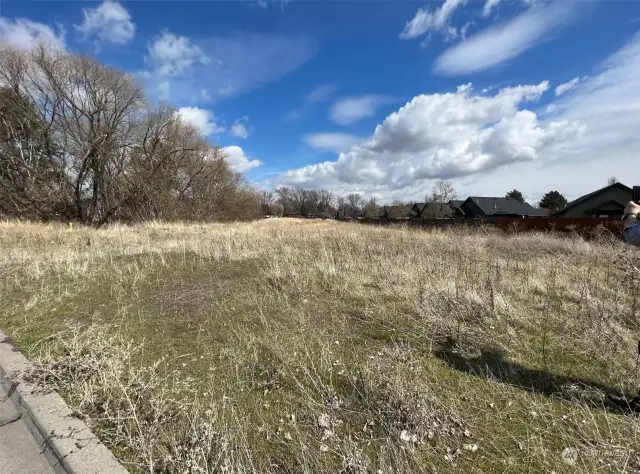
[(371, 209), (398, 210), (277, 209), (266, 200), (325, 203), (354, 200), (612, 180), (437, 205), (352, 203), (443, 192), (32, 177), (285, 199), (79, 140)]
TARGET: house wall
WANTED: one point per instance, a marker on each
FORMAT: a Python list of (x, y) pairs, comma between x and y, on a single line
[(618, 194)]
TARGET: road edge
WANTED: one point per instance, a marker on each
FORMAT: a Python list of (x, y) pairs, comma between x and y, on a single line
[(66, 441)]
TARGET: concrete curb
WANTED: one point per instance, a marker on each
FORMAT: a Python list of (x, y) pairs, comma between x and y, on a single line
[(67, 442)]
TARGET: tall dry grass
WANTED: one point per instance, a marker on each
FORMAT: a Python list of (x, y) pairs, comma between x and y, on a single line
[(301, 346)]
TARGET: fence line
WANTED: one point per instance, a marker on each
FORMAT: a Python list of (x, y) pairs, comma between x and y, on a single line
[(508, 224)]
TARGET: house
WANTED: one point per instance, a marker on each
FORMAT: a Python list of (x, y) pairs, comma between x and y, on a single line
[(433, 210), (608, 202), (488, 207), (401, 211), (456, 205)]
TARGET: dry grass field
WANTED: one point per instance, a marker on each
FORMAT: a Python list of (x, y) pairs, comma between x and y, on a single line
[(290, 346)]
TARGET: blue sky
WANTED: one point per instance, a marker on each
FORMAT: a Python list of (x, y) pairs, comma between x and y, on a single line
[(381, 97)]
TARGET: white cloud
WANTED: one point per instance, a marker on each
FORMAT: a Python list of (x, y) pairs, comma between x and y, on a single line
[(426, 21), (608, 104), (238, 160), (225, 91), (441, 136), (25, 34), (110, 21), (352, 109), (489, 6), (227, 66), (240, 129), (501, 43), (567, 86), (321, 93), (265, 3), (580, 140), (335, 142), (204, 120), (171, 55)]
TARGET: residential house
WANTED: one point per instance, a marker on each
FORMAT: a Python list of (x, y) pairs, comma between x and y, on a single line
[(608, 202), (456, 205), (433, 210), (401, 211), (490, 207)]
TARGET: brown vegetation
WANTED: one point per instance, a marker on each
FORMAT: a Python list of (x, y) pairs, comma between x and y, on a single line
[(313, 346)]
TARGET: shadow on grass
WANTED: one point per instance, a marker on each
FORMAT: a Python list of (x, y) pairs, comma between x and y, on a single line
[(491, 365)]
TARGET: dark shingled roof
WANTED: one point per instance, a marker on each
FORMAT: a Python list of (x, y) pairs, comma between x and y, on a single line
[(497, 206), (457, 205), (581, 199)]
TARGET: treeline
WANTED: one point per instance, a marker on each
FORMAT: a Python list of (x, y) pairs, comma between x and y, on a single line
[(80, 141), (296, 201)]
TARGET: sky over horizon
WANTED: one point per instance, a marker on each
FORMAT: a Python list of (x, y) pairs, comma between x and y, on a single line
[(380, 97)]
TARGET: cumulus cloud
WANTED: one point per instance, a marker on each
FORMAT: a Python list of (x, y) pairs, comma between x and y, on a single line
[(502, 43), (110, 22), (171, 54), (335, 142), (240, 128), (426, 21), (437, 136), (491, 144), (25, 34), (351, 109), (238, 160), (567, 86), (204, 120)]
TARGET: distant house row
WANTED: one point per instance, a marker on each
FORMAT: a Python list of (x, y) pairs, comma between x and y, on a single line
[(473, 207), (607, 202)]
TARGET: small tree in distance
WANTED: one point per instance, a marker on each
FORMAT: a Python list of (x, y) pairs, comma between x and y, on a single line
[(515, 194), (612, 180), (371, 209), (554, 201), (442, 192)]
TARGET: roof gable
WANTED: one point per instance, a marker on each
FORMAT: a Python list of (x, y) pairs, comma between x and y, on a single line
[(582, 199), (398, 210), (610, 203), (439, 209)]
